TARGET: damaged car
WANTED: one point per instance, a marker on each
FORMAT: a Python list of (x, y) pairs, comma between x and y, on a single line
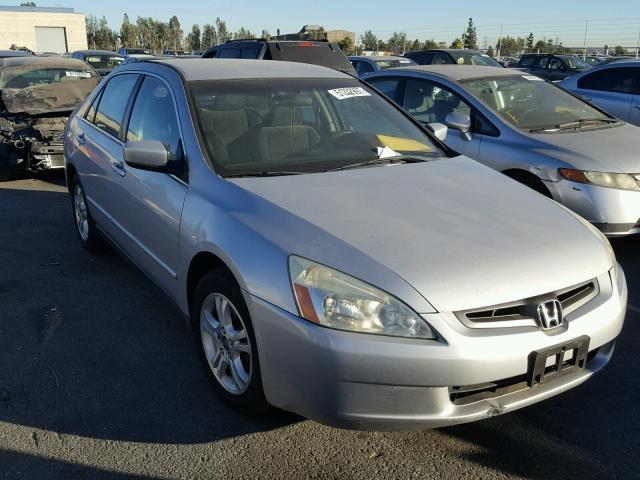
[(37, 95)]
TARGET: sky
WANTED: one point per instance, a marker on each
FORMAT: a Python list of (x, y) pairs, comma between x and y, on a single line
[(614, 22)]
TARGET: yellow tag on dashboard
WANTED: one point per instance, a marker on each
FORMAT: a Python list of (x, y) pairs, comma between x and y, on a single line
[(403, 144)]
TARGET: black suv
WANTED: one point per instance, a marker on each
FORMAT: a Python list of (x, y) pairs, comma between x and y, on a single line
[(457, 56), (304, 51), (552, 67)]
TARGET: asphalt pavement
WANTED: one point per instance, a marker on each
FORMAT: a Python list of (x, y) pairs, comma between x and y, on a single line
[(100, 379)]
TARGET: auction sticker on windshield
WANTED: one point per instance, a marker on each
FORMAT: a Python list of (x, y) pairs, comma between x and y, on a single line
[(70, 73), (533, 78), (349, 92)]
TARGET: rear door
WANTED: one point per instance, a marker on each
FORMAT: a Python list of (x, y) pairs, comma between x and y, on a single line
[(540, 65), (100, 150), (556, 69), (612, 89)]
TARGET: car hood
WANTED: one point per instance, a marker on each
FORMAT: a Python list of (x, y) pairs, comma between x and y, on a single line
[(461, 234), (53, 97), (605, 149)]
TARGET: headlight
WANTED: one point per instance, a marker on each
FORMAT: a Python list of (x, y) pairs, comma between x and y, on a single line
[(601, 179), (333, 299)]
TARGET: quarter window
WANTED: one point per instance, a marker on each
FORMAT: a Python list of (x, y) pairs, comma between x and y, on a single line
[(619, 80), (113, 103)]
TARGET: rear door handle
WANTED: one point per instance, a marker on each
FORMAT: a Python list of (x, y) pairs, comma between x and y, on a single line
[(118, 167), (81, 139)]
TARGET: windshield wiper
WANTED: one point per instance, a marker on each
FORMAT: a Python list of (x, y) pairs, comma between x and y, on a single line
[(383, 161), (574, 124), (265, 173)]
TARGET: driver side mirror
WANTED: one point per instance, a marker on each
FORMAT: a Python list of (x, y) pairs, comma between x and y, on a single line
[(146, 154), (461, 122)]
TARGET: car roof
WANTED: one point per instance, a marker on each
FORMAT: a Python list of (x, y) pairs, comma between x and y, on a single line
[(60, 62), (196, 68), (97, 52), (15, 53), (623, 61), (376, 57), (462, 72)]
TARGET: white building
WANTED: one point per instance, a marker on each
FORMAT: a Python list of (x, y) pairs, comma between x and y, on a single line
[(42, 29)]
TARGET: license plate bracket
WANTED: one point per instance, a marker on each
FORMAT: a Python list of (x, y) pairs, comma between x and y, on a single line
[(558, 360)]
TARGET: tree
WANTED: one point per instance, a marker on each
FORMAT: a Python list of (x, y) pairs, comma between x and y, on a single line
[(243, 34), (28, 4), (175, 33), (529, 44), (346, 45), (222, 31), (127, 33), (381, 47), (194, 39), (508, 46), (540, 47), (490, 51), (619, 50), (209, 36), (470, 38), (369, 40), (431, 44), (397, 42), (457, 43)]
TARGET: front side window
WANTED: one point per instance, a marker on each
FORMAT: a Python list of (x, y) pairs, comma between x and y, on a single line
[(153, 117), (556, 64), (429, 102), (577, 63), (441, 59), (301, 125), (388, 86), (541, 62), (529, 102), (113, 103), (395, 63), (618, 80), (474, 58), (363, 67)]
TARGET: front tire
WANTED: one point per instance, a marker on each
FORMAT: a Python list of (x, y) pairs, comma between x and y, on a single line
[(90, 237), (226, 341)]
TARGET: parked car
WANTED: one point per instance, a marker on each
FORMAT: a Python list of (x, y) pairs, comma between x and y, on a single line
[(103, 61), (456, 56), (376, 63), (134, 58), (125, 51), (37, 94), (321, 53), (614, 87), (508, 62), (532, 131), (14, 53), (594, 60), (334, 258), (175, 53), (552, 67)]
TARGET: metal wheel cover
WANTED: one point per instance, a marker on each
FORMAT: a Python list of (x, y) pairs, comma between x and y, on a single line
[(80, 212), (226, 343)]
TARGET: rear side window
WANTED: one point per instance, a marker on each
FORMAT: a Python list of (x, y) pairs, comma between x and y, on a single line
[(113, 103), (618, 80), (541, 62), (320, 53), (363, 67), (228, 53), (249, 52), (441, 59), (423, 58), (526, 61)]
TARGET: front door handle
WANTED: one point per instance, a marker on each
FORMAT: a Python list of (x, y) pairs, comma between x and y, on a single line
[(118, 167), (81, 139)]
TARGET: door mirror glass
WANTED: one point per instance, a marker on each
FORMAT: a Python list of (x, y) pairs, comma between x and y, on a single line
[(146, 154), (461, 122), (439, 130)]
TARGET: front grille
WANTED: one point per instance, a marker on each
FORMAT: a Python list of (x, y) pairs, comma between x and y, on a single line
[(521, 313), (464, 395)]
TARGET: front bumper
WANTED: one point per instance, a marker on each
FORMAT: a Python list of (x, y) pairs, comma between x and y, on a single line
[(615, 212), (371, 382)]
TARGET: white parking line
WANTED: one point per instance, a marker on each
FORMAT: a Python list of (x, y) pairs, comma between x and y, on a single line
[(633, 308)]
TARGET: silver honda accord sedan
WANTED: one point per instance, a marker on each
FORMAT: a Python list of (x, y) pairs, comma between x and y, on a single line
[(532, 131), (333, 257)]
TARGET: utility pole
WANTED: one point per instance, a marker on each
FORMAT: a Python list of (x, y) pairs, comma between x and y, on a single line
[(638, 45), (499, 42), (584, 44)]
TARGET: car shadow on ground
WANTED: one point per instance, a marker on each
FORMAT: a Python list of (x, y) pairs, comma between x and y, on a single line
[(90, 347)]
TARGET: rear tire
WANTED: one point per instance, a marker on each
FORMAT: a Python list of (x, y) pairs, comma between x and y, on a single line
[(90, 238), (226, 342)]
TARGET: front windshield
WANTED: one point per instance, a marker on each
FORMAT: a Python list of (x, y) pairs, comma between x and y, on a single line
[(385, 64), (528, 102), (25, 76), (474, 58), (104, 61), (301, 125)]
